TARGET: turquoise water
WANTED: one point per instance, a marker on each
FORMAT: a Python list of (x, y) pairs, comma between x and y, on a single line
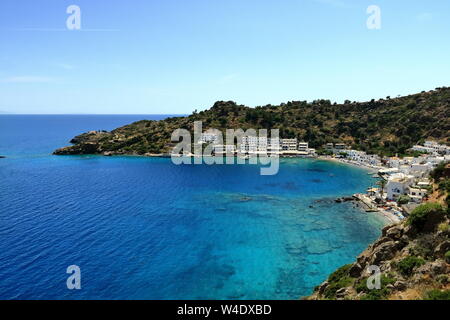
[(143, 228)]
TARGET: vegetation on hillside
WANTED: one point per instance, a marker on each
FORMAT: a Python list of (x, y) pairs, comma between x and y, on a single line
[(386, 126), (441, 178)]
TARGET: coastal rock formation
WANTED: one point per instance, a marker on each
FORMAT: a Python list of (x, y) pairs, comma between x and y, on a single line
[(344, 199), (419, 116), (413, 258)]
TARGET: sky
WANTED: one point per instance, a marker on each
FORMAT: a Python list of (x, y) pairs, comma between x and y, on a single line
[(175, 56)]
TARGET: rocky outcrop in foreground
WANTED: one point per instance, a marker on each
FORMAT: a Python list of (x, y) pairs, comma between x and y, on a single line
[(413, 258)]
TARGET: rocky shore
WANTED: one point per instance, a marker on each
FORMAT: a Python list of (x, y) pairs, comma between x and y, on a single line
[(413, 258)]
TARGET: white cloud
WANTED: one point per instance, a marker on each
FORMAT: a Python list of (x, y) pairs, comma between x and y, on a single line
[(28, 79)]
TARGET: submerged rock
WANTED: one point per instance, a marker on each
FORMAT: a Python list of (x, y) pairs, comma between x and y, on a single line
[(344, 199), (318, 246)]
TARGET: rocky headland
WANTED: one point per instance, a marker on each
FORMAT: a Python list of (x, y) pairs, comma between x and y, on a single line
[(386, 127)]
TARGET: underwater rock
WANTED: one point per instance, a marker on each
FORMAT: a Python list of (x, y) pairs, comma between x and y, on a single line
[(318, 246)]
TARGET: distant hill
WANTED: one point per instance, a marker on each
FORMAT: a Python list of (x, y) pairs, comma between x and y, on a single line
[(386, 126)]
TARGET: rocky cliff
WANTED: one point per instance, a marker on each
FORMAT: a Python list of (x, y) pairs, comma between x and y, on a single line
[(412, 266), (413, 257)]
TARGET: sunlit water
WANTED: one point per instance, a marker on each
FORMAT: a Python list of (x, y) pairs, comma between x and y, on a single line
[(143, 228)]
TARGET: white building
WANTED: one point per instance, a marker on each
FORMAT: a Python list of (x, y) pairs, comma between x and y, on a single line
[(388, 171), (229, 149), (421, 170), (289, 144), (417, 194), (362, 157), (303, 147), (209, 137), (274, 147), (339, 147), (259, 145), (432, 147), (393, 162), (398, 184)]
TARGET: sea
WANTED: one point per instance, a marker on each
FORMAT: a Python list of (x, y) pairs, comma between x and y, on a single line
[(145, 228)]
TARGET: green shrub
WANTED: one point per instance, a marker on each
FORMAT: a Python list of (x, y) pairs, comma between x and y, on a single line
[(403, 199), (324, 152), (445, 185), (443, 226), (339, 273), (375, 294), (447, 202), (407, 265), (436, 294), (337, 280), (447, 256), (443, 279), (418, 217), (422, 249), (361, 286), (332, 288), (438, 172)]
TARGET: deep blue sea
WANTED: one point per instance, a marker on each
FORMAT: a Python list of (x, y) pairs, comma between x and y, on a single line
[(144, 228)]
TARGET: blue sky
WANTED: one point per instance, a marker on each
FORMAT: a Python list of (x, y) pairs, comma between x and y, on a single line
[(173, 56)]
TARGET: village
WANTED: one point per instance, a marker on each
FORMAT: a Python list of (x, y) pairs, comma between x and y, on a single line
[(259, 146), (402, 183)]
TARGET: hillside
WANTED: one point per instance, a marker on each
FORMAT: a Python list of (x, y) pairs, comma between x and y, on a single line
[(413, 256), (386, 126)]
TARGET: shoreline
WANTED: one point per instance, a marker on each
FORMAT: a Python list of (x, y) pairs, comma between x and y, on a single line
[(371, 206), (390, 217), (348, 162)]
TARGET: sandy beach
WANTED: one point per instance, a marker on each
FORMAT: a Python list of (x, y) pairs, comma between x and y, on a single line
[(343, 161), (389, 216)]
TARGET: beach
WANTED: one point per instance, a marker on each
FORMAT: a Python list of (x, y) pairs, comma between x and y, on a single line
[(372, 169), (365, 199)]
